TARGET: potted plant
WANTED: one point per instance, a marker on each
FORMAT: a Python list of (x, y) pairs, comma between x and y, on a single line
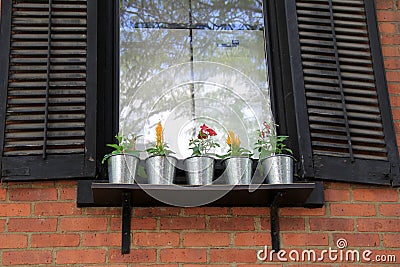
[(237, 162), (123, 160), (277, 166), (160, 166), (200, 166)]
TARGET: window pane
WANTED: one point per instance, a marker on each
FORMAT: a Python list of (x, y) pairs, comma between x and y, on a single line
[(204, 63)]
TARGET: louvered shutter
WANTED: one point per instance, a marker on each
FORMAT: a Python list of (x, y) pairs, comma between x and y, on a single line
[(48, 89), (343, 113)]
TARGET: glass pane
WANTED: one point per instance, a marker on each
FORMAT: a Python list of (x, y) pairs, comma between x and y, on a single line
[(204, 63)]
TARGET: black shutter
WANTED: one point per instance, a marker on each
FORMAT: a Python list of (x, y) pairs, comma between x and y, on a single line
[(343, 114), (48, 89)]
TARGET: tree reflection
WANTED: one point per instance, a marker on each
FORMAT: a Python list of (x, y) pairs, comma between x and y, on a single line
[(191, 62)]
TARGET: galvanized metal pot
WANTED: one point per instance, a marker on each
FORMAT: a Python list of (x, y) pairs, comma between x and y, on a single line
[(161, 169), (199, 170), (278, 169), (238, 170), (122, 168)]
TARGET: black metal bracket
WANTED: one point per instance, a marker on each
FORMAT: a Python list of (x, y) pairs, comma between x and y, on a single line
[(274, 217), (126, 222)]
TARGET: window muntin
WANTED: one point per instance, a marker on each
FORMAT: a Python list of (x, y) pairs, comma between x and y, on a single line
[(192, 62)]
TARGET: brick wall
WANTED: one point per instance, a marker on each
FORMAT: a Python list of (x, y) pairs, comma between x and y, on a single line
[(40, 224)]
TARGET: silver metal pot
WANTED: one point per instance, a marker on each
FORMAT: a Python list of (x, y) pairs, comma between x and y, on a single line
[(122, 168), (199, 170), (161, 169), (238, 170), (278, 169)]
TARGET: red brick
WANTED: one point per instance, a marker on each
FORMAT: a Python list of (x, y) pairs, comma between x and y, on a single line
[(136, 224), (233, 255), (391, 241), (384, 4), (388, 16), (390, 40), (249, 211), (396, 113), (292, 239), (206, 211), (156, 239), (378, 225), (55, 240), (13, 241), (336, 195), (2, 225), (393, 76), (66, 183), (32, 225), (57, 209), (392, 64), (40, 184), (202, 239), (156, 212), (231, 224), (358, 239), (68, 193), (103, 211), (182, 223), (252, 239), (331, 224), (80, 256), (3, 194), (83, 224), (101, 240), (183, 255), (135, 255), (33, 194), (364, 210), (302, 212), (27, 257), (395, 100), (376, 195), (391, 51), (10, 210), (390, 210), (205, 265), (387, 28)]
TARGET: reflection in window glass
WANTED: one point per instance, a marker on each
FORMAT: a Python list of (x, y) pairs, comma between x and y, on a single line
[(191, 62)]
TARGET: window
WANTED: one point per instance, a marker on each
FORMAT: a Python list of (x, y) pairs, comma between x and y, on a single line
[(192, 62), (322, 66)]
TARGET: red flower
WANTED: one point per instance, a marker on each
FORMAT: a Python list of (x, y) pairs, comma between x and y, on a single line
[(205, 130), (202, 135), (211, 132)]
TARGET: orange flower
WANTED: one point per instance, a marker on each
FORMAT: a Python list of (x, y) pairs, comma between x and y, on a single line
[(159, 134)]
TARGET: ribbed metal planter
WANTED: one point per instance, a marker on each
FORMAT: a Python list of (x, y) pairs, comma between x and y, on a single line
[(161, 169), (199, 170), (278, 169), (122, 168), (238, 170)]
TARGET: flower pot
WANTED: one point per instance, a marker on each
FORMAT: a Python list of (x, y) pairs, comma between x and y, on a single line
[(122, 168), (161, 169), (238, 170), (199, 170), (278, 169)]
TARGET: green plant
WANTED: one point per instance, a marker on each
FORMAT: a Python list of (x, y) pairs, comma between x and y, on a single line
[(235, 150), (204, 142), (124, 145), (160, 148), (269, 143)]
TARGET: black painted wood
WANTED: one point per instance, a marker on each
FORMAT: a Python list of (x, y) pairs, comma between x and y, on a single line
[(105, 194), (343, 117)]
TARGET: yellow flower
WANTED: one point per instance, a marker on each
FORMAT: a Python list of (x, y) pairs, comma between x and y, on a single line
[(159, 134), (232, 139)]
